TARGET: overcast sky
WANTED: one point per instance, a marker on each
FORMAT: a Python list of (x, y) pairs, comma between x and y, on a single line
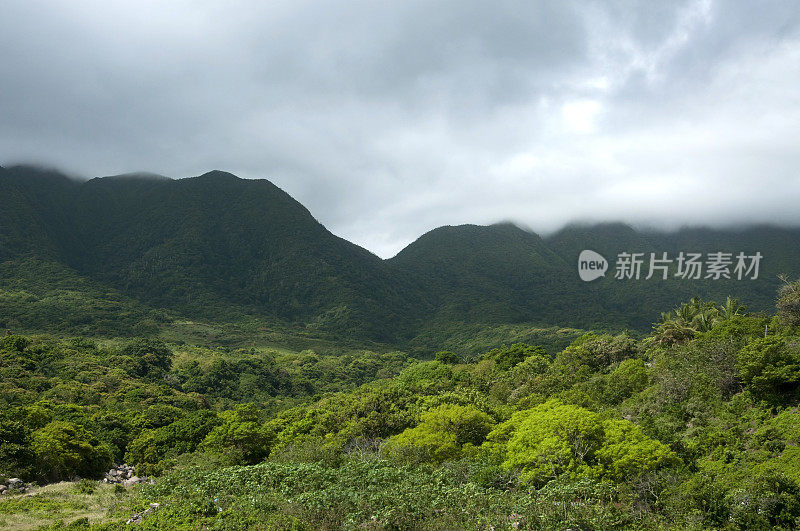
[(387, 119)]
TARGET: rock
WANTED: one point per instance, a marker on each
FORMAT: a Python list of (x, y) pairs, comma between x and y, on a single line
[(123, 475), (16, 484), (134, 480), (137, 518)]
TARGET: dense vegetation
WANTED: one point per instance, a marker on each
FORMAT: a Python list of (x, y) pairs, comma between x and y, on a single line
[(124, 255), (211, 246), (504, 274), (694, 425), (210, 332)]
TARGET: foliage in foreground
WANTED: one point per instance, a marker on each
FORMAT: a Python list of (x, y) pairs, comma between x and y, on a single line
[(695, 426)]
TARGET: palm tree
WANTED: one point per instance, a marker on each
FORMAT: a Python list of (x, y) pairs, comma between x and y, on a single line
[(682, 323), (685, 313), (704, 321), (731, 309)]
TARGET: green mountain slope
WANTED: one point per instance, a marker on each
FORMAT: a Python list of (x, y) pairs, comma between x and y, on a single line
[(504, 274), (219, 247), (495, 274), (780, 248), (206, 244)]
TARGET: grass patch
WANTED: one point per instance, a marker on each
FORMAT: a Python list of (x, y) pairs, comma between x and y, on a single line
[(63, 503)]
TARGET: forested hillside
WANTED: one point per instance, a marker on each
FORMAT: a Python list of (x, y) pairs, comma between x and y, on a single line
[(502, 273), (213, 246), (694, 426), (128, 255), (399, 266), (261, 372)]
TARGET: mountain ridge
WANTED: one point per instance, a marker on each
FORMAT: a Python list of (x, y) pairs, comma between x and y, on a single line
[(216, 243)]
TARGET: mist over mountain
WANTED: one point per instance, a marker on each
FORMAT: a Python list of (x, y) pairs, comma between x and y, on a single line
[(218, 245)]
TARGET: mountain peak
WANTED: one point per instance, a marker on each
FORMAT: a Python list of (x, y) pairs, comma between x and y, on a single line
[(38, 173), (139, 175), (218, 175)]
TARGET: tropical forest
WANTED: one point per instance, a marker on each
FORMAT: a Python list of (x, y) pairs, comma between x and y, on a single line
[(203, 354)]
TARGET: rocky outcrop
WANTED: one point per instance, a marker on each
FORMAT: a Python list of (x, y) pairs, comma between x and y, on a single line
[(123, 475), (14, 485)]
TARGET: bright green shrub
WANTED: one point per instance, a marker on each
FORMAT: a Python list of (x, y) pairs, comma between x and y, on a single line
[(441, 435), (626, 452), (64, 450), (555, 439)]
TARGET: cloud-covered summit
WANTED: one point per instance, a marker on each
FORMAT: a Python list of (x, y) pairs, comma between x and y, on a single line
[(388, 119)]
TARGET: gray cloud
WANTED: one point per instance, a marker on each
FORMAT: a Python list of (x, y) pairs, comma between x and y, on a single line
[(388, 119)]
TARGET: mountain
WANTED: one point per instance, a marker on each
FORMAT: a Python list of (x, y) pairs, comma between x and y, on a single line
[(488, 274), (779, 247), (203, 245), (217, 247), (502, 273)]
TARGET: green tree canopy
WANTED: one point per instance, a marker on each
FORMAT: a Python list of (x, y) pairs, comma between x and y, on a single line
[(507, 357), (442, 434), (555, 439), (64, 450), (240, 436)]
